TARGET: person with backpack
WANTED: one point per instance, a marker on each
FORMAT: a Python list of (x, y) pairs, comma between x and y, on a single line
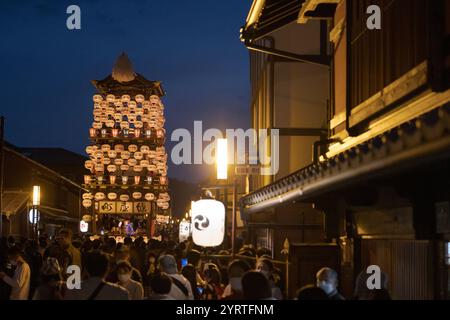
[(181, 288)]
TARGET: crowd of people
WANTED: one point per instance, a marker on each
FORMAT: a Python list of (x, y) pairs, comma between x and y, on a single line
[(136, 270)]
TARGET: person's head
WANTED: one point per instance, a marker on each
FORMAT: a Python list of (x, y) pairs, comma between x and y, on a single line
[(160, 283), (311, 292), (151, 258), (122, 254), (263, 252), (189, 272), (51, 271), (14, 254), (43, 242), (128, 241), (194, 258), (265, 266), (65, 238), (327, 280), (255, 286), (167, 264), (236, 270), (124, 271), (97, 264), (212, 273)]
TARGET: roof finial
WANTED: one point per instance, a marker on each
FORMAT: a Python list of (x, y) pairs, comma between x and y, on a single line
[(123, 69)]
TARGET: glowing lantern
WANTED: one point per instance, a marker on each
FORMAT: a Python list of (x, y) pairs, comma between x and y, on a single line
[(124, 179), (208, 222), (124, 167), (132, 162), (88, 164), (33, 216), (144, 163), (115, 132), (145, 149), (87, 195), (126, 98), (112, 196), (137, 179), (185, 231), (84, 226), (124, 197), (137, 195), (154, 99), (125, 155), (92, 132), (132, 148), (112, 154), (149, 179), (163, 180), (87, 218), (149, 196), (99, 196), (99, 168), (103, 132), (137, 168), (148, 133), (118, 161), (100, 179), (87, 179), (110, 98), (97, 98), (112, 179), (138, 155), (119, 148), (137, 132), (139, 98)]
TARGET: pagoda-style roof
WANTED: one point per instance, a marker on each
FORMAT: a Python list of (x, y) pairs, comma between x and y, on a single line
[(123, 80)]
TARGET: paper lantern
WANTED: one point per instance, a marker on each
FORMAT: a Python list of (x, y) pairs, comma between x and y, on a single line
[(100, 179), (125, 155), (97, 98), (110, 123), (89, 150), (139, 98), (184, 231), (149, 196), (87, 218), (87, 179), (154, 99), (138, 124), (34, 216), (119, 148), (132, 162), (124, 125), (87, 203), (98, 153), (106, 161), (149, 179), (137, 195), (151, 168), (160, 202), (115, 132), (125, 98), (208, 222), (165, 206), (105, 147), (118, 161), (160, 133), (152, 154), (84, 226), (132, 105), (112, 179), (124, 167), (132, 148), (145, 149), (87, 195), (137, 168), (112, 196), (163, 180), (137, 179), (88, 164), (92, 132), (124, 197), (138, 155), (124, 179), (148, 133), (144, 163), (137, 132), (99, 196), (110, 98), (146, 104), (112, 154), (99, 168)]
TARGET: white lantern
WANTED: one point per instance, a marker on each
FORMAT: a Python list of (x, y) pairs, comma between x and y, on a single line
[(87, 195), (33, 216), (112, 196), (110, 98), (119, 147), (145, 149), (99, 196), (185, 231), (132, 162), (84, 226), (97, 98), (137, 168), (118, 161), (208, 222), (111, 168), (149, 196), (112, 154), (132, 148), (124, 197), (139, 98), (137, 195), (87, 203), (138, 155), (126, 98)]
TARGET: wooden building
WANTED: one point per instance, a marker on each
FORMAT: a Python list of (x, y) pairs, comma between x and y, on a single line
[(380, 176)]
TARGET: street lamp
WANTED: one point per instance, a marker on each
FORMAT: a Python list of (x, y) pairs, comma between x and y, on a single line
[(222, 174), (36, 202)]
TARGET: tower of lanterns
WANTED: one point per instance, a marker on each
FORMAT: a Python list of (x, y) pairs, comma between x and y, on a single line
[(128, 162)]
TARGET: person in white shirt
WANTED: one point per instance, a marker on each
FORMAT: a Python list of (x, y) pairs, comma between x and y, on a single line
[(134, 288), (95, 287), (181, 287), (20, 282)]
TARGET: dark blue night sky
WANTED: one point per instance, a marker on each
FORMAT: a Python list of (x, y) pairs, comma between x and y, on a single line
[(193, 47)]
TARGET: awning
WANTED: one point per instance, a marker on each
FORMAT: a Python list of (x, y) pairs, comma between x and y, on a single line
[(13, 201), (317, 9), (266, 16), (417, 142), (57, 214)]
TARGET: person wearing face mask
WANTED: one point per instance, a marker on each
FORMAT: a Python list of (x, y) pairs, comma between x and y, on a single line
[(134, 288), (327, 280), (265, 266), (20, 281)]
